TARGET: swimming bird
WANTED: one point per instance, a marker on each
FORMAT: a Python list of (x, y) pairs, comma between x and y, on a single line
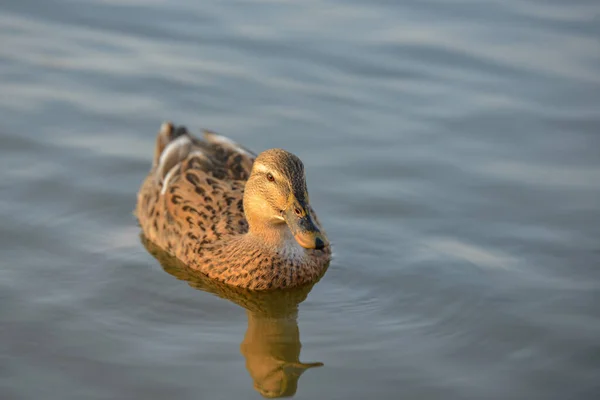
[(238, 218)]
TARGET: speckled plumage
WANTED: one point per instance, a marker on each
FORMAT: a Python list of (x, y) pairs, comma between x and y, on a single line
[(192, 205)]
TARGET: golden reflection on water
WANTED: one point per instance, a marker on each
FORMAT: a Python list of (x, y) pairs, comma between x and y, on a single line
[(271, 345)]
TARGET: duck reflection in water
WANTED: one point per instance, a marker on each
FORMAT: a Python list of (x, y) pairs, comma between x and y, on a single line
[(271, 345)]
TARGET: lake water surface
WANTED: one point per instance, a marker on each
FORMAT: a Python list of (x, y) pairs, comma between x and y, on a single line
[(452, 152)]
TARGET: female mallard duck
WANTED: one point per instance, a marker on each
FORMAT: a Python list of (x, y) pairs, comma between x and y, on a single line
[(238, 218)]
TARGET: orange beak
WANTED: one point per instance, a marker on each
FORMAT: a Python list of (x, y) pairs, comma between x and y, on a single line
[(304, 229)]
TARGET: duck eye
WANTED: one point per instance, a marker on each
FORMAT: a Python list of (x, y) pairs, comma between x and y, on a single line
[(270, 177)]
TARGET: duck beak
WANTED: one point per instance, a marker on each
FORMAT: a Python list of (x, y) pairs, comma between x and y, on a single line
[(303, 227)]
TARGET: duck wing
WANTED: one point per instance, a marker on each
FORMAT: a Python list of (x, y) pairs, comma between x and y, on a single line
[(194, 192)]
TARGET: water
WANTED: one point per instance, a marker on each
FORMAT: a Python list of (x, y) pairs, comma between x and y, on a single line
[(452, 151)]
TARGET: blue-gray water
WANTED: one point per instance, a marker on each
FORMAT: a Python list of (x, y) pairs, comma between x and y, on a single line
[(452, 151)]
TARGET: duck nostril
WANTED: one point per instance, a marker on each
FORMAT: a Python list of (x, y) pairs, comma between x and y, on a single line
[(298, 212)]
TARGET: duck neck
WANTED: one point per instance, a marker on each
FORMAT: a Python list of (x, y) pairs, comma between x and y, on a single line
[(276, 236)]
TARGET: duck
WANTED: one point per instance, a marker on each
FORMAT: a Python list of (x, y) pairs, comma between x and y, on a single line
[(236, 217)]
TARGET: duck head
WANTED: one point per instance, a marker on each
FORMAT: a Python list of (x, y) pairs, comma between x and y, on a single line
[(276, 200)]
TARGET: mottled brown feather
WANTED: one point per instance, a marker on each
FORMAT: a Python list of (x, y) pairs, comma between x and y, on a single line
[(191, 205)]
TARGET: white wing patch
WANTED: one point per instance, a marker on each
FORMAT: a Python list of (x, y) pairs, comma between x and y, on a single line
[(194, 153), (168, 177), (173, 154)]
